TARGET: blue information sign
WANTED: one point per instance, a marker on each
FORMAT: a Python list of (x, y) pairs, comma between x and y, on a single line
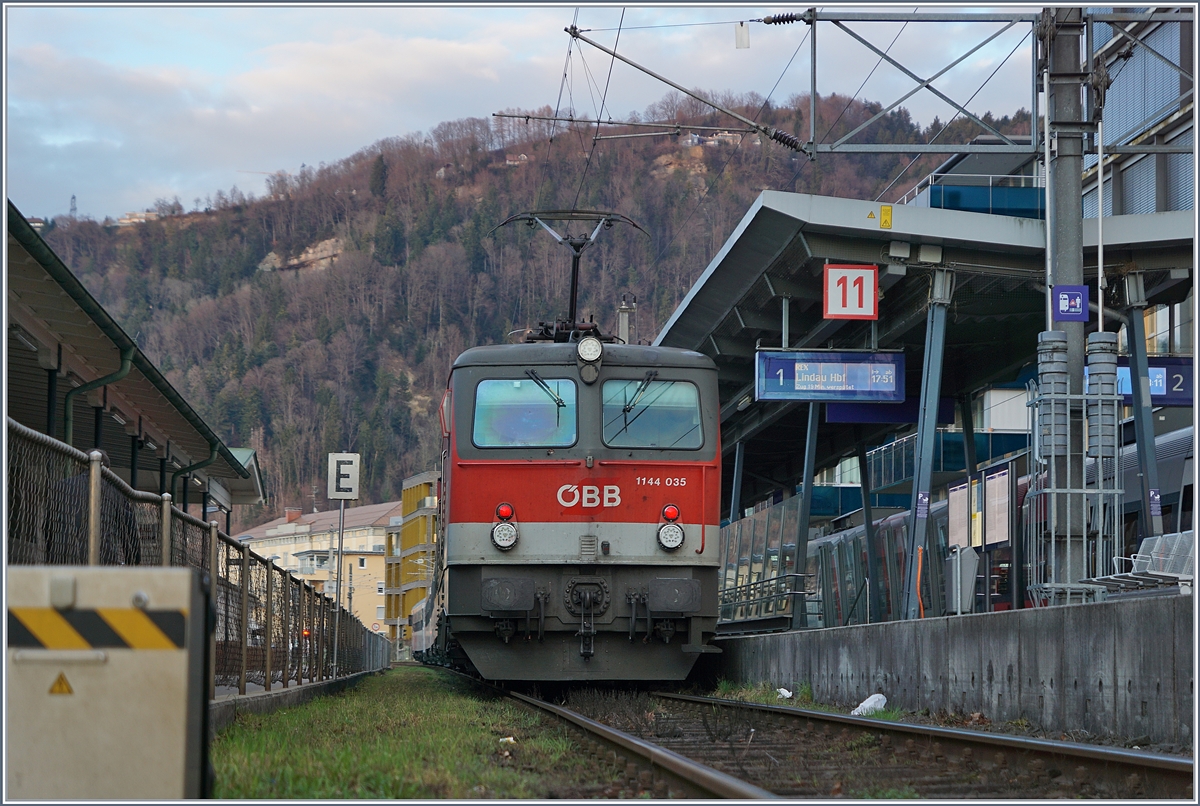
[(1070, 303), (821, 376), (1170, 381)]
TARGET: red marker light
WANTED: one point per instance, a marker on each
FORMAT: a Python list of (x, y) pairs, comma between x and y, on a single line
[(504, 512), (671, 512)]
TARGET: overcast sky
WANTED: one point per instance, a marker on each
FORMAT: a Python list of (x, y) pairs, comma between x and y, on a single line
[(121, 106)]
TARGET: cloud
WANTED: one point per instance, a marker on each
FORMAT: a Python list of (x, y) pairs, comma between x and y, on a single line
[(124, 105)]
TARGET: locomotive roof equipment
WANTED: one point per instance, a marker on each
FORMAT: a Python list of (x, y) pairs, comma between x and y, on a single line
[(570, 330)]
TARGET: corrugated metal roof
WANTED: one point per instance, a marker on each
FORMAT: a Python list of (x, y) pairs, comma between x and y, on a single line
[(42, 287)]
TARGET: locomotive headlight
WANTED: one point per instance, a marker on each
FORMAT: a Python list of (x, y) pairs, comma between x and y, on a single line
[(670, 536), (504, 535), (590, 349)]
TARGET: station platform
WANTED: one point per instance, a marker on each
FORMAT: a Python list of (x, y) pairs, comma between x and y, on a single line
[(1121, 668)]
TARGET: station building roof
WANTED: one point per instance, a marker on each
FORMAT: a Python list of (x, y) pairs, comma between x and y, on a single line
[(378, 516), (779, 249), (52, 314)]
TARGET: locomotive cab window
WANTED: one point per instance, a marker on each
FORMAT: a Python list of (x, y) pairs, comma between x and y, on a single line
[(648, 413), (526, 412)]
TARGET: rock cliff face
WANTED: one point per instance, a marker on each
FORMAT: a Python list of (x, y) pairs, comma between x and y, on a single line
[(317, 257)]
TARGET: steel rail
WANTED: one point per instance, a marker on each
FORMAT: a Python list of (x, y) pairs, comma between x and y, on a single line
[(691, 774), (1163, 775), (695, 778)]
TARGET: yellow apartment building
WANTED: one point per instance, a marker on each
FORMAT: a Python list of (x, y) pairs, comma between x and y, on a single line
[(410, 548)]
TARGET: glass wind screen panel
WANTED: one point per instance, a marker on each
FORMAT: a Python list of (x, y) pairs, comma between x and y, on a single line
[(958, 515), (660, 414), (519, 413), (996, 493)]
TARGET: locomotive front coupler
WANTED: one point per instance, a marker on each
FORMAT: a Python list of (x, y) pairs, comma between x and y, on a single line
[(634, 597), (665, 629), (587, 628)]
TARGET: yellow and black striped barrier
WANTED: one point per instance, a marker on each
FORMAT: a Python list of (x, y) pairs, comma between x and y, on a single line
[(100, 628)]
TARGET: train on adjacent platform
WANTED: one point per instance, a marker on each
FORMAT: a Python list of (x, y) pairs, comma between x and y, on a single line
[(579, 514), (836, 568)]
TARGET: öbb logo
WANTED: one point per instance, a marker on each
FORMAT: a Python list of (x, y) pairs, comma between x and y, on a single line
[(571, 494)]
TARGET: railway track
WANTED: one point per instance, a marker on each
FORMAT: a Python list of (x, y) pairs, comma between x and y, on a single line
[(648, 767), (704, 747), (654, 768), (802, 753)]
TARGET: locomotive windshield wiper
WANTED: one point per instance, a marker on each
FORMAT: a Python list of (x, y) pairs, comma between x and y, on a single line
[(558, 401), (641, 390)]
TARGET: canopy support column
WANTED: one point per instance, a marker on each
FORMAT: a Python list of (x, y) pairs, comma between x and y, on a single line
[(940, 294), (799, 605)]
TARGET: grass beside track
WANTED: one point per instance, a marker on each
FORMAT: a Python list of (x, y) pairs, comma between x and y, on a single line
[(408, 733)]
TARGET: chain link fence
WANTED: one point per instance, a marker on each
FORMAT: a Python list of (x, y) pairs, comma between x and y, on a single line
[(66, 508)]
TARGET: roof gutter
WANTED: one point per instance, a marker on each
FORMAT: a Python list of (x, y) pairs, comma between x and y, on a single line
[(212, 457), (24, 234), (69, 414)]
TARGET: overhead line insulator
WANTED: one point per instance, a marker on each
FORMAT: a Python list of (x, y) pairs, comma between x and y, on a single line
[(781, 19), (789, 140)]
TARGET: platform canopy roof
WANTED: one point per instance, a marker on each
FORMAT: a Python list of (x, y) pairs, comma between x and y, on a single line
[(779, 250), (48, 309)]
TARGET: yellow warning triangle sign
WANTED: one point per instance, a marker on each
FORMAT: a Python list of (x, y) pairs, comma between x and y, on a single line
[(61, 686), (871, 215)]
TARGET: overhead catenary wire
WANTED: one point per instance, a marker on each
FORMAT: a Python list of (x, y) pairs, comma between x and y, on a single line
[(712, 183), (668, 25), (940, 131), (599, 114), (563, 84), (553, 130), (850, 102)]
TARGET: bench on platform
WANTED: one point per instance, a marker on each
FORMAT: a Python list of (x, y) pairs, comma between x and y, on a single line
[(1162, 562)]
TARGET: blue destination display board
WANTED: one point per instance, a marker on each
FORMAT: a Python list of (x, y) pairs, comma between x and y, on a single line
[(1170, 381), (822, 376)]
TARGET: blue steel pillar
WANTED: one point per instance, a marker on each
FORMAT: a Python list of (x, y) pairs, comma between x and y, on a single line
[(940, 293), (1143, 413), (874, 576), (799, 605), (735, 495)]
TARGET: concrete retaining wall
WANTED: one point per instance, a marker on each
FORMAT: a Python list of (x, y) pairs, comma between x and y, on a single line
[(1120, 668), (222, 712)]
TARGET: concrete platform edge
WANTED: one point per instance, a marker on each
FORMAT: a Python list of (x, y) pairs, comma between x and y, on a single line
[(223, 712), (1121, 669)]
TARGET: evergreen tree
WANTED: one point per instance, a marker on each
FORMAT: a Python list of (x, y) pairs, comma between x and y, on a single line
[(378, 183)]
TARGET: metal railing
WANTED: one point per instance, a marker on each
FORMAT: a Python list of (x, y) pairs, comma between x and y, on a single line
[(895, 462), (973, 180), (761, 599), (65, 508)]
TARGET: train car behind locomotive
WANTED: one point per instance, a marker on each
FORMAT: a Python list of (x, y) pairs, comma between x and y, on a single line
[(581, 488)]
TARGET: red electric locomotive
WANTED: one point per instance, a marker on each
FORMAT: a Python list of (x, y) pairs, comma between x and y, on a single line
[(580, 510)]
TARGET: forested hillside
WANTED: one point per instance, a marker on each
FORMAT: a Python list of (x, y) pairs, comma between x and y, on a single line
[(387, 268)]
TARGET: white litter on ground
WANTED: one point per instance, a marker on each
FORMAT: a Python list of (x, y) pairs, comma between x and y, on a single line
[(784, 694), (876, 702)]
